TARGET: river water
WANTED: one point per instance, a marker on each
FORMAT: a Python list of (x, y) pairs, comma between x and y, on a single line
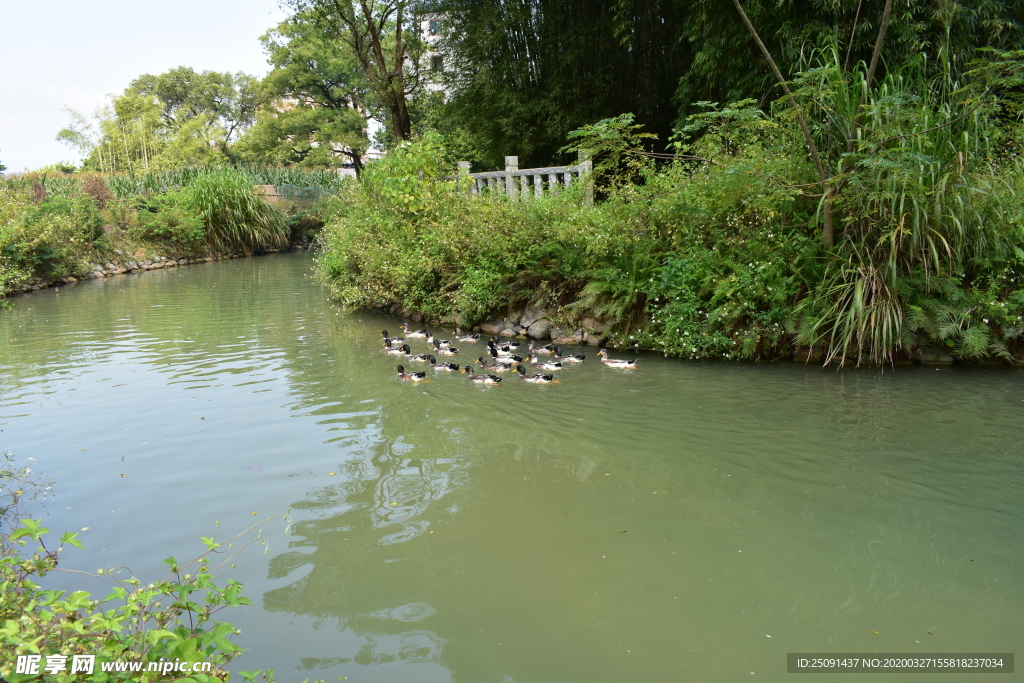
[(683, 521)]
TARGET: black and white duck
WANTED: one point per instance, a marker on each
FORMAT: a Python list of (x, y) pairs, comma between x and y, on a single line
[(444, 350), (481, 379), (434, 341), (420, 334), (569, 357), (504, 346), (492, 367), (509, 360), (467, 338), (411, 376), (399, 350), (417, 357), (615, 362), (446, 367), (547, 349), (535, 379), (391, 340), (546, 364)]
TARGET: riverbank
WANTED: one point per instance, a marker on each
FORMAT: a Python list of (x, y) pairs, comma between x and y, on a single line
[(59, 229), (701, 262), (140, 265)]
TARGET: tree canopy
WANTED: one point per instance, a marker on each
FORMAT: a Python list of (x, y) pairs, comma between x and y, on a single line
[(177, 118), (526, 72), (316, 110)]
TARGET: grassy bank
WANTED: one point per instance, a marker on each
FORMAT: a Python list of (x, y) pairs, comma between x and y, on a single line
[(717, 253), (54, 225)]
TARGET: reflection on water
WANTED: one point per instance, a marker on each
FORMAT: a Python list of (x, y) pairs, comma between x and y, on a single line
[(683, 521)]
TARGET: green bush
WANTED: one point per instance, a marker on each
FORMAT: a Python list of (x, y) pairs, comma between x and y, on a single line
[(171, 619), (53, 239), (234, 216), (168, 220), (422, 242)]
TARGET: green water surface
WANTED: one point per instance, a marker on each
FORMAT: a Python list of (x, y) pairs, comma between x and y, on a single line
[(685, 521)]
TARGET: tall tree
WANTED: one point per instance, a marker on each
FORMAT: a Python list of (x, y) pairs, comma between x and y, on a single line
[(223, 104), (316, 91), (167, 120), (527, 72), (382, 37)]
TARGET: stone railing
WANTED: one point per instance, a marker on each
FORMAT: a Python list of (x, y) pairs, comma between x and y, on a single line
[(520, 183)]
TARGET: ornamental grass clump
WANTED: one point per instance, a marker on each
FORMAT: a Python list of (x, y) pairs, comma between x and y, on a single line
[(235, 217)]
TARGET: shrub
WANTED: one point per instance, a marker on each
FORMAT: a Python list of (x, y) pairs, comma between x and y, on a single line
[(235, 217), (168, 220)]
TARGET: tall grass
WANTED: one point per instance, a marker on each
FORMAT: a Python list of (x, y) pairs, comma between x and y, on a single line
[(235, 217), (127, 185), (921, 202)]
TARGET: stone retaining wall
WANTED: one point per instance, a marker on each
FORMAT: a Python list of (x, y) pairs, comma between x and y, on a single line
[(123, 267), (530, 322)]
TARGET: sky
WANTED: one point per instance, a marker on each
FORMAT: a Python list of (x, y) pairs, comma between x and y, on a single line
[(61, 54)]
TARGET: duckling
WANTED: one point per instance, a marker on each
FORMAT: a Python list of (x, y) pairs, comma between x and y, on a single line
[(492, 367), (535, 379), (468, 338), (395, 350), (393, 340), (570, 357), (413, 333), (443, 343), (411, 376), (546, 364), (508, 360), (482, 379), (447, 367), (546, 349), (444, 350), (615, 362)]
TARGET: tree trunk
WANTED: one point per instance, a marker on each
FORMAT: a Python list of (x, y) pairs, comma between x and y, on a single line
[(827, 183)]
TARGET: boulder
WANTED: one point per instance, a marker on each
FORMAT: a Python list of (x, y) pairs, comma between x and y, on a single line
[(539, 329), (531, 315), (566, 336), (593, 325), (491, 327), (595, 339), (929, 355)]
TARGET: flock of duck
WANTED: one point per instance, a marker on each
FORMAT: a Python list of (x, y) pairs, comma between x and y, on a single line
[(504, 356)]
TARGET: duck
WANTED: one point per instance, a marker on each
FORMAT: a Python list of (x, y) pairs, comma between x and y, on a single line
[(447, 367), (508, 360), (505, 346), (416, 357), (391, 340), (482, 379), (444, 350), (413, 333), (492, 367), (546, 349), (615, 362), (433, 341), (546, 364), (468, 338), (569, 357), (411, 376), (395, 350), (535, 379)]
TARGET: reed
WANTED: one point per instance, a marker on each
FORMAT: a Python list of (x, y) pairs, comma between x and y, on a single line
[(235, 217)]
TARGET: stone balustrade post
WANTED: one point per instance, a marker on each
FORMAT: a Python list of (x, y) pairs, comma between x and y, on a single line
[(511, 164)]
